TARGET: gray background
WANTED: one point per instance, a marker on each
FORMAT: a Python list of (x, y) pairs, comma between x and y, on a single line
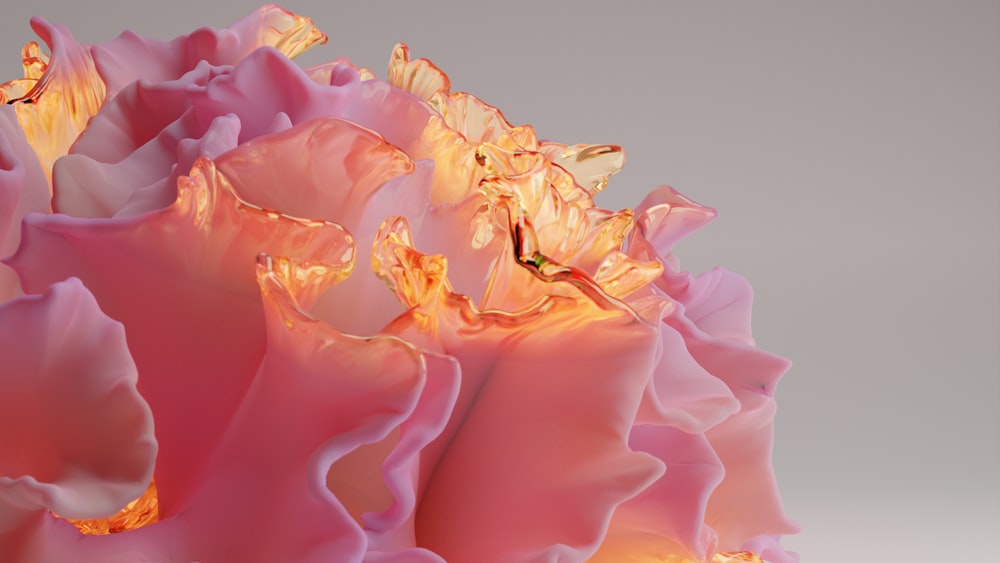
[(852, 151)]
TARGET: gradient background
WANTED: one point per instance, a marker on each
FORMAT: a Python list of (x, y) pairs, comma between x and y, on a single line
[(852, 150)]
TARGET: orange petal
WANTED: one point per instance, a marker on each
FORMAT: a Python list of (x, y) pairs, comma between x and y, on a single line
[(66, 95), (419, 77)]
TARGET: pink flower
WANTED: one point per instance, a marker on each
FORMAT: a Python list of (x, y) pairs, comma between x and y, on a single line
[(367, 320)]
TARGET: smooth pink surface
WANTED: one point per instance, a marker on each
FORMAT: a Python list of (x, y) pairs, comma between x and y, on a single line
[(23, 190), (367, 331), (76, 436), (536, 448)]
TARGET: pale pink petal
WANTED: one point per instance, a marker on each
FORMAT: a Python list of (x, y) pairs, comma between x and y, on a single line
[(323, 168), (140, 113), (665, 217), (746, 504), (398, 116), (23, 190), (361, 305), (318, 395), (769, 548), (719, 303), (668, 516), (325, 73), (712, 313), (335, 170), (741, 366), (535, 459), (378, 482), (402, 468), (144, 181), (131, 57), (128, 159), (414, 555), (75, 435), (266, 83), (318, 398), (471, 233), (190, 276), (681, 392)]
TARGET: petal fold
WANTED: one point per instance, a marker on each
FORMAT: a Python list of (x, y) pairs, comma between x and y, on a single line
[(190, 275), (131, 57), (513, 480), (76, 437), (23, 190)]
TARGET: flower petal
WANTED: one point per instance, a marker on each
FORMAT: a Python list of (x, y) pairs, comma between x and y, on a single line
[(23, 190), (267, 479), (145, 180), (668, 516), (590, 165), (746, 504), (334, 165), (769, 547), (131, 57), (682, 393), (140, 113), (343, 173), (512, 479), (75, 435), (719, 303), (190, 276), (519, 479), (267, 476), (666, 217), (419, 77), (62, 99)]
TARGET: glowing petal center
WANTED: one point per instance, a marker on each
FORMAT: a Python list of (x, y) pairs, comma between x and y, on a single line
[(136, 514), (727, 557)]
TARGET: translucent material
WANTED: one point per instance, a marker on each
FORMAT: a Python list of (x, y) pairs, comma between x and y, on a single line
[(626, 394), (136, 514)]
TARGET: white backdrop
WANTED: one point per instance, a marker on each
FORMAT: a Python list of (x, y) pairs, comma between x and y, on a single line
[(852, 151)]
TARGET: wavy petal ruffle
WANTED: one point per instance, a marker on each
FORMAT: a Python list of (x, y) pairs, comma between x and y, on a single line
[(511, 478), (23, 190), (76, 437), (190, 276)]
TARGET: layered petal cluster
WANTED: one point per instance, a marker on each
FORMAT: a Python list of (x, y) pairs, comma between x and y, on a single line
[(256, 312)]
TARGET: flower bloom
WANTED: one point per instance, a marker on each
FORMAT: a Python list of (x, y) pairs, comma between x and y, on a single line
[(254, 312)]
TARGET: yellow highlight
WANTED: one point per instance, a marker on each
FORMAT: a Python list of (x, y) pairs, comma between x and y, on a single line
[(737, 557), (728, 557), (136, 514)]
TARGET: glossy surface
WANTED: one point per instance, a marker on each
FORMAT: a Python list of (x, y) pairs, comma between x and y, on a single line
[(375, 320), (136, 514)]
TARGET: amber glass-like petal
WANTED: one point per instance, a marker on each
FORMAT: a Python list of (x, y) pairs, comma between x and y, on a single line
[(136, 514), (65, 92), (728, 557)]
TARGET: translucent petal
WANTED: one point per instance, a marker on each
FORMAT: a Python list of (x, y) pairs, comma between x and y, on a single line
[(590, 165), (191, 277), (419, 77), (63, 98)]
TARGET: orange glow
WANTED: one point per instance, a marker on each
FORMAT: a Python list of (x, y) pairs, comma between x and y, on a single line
[(728, 557), (136, 514), (54, 100), (737, 557), (289, 33)]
